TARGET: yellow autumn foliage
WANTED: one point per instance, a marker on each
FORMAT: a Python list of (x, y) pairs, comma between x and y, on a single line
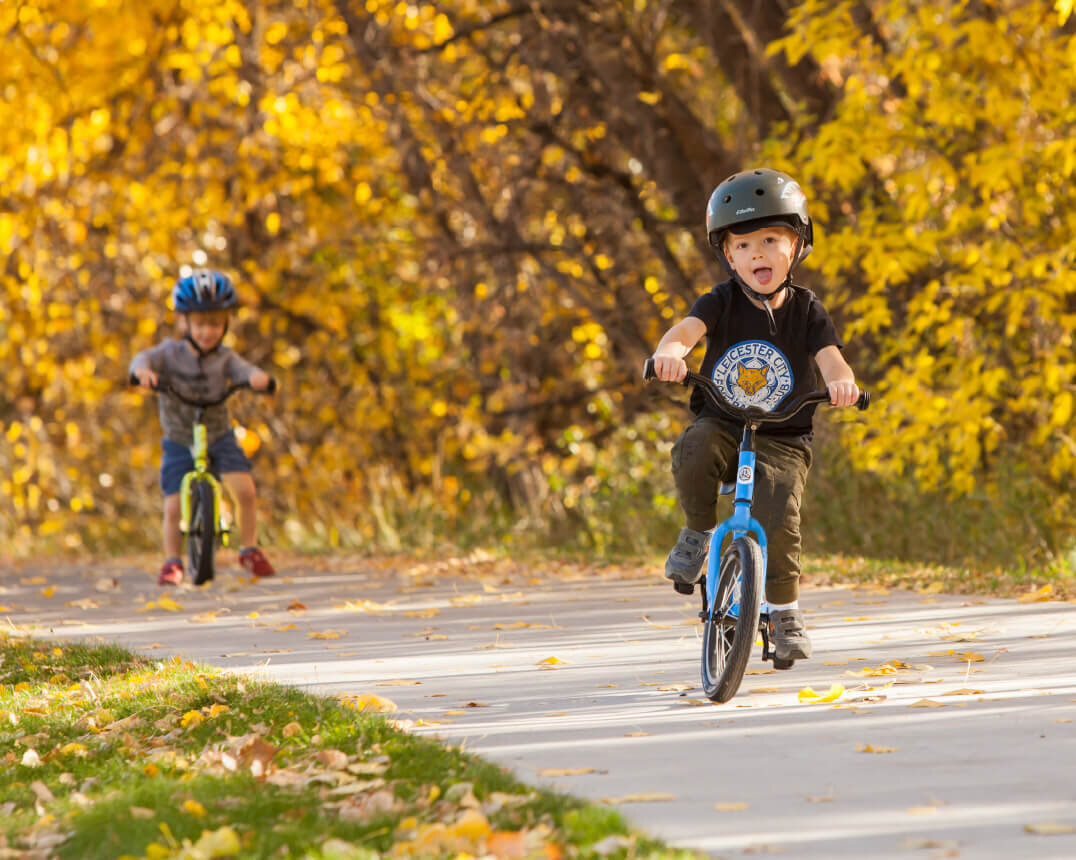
[(457, 229)]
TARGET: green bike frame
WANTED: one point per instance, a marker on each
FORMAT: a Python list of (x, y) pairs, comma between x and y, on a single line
[(200, 472)]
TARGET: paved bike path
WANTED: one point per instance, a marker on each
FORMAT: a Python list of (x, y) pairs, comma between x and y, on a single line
[(955, 736)]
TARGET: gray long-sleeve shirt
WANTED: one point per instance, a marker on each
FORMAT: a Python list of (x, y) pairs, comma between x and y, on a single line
[(196, 377)]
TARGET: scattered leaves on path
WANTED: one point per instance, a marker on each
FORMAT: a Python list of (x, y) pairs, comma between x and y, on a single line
[(874, 748)]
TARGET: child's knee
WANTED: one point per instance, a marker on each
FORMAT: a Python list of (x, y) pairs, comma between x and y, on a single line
[(171, 506)]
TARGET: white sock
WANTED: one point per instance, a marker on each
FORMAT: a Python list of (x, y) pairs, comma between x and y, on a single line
[(795, 604)]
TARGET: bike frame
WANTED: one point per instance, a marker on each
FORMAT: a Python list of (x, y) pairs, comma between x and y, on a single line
[(200, 472), (739, 524)]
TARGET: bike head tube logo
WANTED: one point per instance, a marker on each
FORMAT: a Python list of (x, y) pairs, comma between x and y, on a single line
[(754, 373), (744, 475)]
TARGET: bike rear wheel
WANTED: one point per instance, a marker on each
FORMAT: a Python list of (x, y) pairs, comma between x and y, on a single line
[(201, 532), (731, 625)]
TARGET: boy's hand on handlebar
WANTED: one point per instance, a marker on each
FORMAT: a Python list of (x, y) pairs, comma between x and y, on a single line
[(146, 377), (843, 393), (260, 380), (668, 368)]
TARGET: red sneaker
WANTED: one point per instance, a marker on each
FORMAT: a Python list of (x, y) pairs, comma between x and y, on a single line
[(171, 573), (254, 560)]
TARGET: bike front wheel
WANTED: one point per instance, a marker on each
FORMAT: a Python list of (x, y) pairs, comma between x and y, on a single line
[(202, 532), (731, 625)]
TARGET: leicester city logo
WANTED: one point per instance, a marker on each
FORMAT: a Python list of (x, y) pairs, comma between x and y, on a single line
[(754, 373)]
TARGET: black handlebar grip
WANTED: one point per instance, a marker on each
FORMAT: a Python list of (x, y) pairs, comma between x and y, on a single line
[(648, 370), (864, 400), (133, 380), (271, 389)]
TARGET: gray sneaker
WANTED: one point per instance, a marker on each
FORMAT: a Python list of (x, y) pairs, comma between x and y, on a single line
[(790, 640), (684, 564)]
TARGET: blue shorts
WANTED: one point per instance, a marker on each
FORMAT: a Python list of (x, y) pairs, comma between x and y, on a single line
[(225, 456)]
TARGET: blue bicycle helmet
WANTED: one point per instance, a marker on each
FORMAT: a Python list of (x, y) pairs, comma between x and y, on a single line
[(204, 290)]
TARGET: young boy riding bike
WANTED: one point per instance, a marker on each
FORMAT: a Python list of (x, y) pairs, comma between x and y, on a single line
[(201, 367), (765, 338)]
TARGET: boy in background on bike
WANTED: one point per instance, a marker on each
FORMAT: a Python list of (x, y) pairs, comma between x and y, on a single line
[(766, 340), (201, 368)]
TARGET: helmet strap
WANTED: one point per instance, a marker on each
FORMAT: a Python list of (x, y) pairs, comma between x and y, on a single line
[(762, 298), (202, 353)]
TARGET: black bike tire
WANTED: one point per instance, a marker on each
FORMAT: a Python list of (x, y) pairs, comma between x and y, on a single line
[(202, 532), (736, 637)]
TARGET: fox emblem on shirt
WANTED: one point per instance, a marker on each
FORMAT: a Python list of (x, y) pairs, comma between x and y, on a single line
[(752, 379)]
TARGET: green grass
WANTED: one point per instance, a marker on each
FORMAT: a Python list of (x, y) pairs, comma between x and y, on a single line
[(111, 755)]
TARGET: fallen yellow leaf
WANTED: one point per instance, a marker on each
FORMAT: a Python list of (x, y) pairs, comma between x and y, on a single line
[(204, 617), (194, 808), (971, 657), (927, 703), (1039, 595), (870, 748), (564, 771), (1050, 828), (808, 695), (552, 661), (218, 843), (284, 628), (326, 634), (730, 807), (933, 588), (191, 720), (369, 702), (646, 797)]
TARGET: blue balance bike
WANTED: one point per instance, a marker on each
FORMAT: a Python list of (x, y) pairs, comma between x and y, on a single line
[(734, 585)]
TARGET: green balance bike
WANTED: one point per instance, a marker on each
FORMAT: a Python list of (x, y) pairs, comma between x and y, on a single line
[(201, 494)]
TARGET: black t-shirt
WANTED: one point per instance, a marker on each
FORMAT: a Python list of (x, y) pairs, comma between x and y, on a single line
[(753, 367)]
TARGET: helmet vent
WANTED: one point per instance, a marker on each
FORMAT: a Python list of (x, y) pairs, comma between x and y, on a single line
[(760, 191), (728, 197)]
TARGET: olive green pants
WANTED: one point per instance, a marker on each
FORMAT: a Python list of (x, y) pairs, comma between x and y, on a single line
[(707, 453)]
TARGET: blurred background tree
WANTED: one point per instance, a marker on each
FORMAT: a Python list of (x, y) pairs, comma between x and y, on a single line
[(458, 228)]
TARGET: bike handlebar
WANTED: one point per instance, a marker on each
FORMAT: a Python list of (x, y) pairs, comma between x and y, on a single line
[(752, 414), (163, 386)]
